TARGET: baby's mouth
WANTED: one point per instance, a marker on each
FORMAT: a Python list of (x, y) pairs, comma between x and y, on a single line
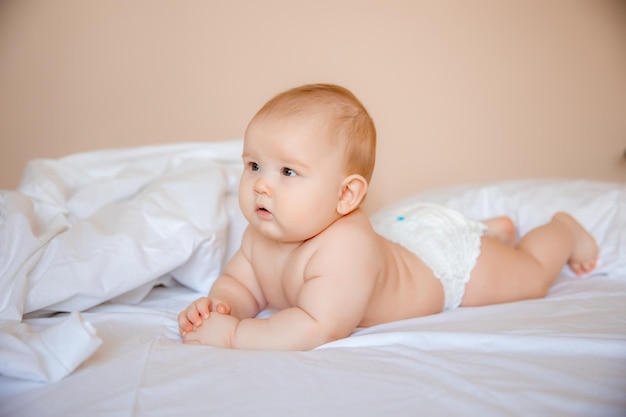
[(263, 211)]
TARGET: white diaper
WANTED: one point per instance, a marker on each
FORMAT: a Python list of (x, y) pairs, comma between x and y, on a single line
[(446, 240)]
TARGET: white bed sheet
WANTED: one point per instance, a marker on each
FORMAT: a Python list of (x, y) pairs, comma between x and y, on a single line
[(563, 355)]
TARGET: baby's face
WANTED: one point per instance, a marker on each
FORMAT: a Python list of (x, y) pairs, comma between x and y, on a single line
[(292, 177)]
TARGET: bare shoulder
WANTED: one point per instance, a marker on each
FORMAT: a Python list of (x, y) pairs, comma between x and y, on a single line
[(239, 265), (354, 229), (246, 240), (350, 240)]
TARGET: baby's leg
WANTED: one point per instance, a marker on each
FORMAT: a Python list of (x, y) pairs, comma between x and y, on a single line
[(502, 228), (504, 273), (584, 254)]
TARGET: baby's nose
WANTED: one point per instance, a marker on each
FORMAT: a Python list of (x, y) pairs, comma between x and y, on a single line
[(261, 186)]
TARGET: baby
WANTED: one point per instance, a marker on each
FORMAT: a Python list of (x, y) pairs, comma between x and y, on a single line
[(310, 253)]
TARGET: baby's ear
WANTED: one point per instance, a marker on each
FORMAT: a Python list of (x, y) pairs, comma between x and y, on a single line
[(353, 190)]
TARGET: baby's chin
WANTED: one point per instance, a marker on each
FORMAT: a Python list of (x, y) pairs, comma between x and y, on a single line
[(273, 232)]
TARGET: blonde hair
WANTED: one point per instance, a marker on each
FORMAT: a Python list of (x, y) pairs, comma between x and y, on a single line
[(349, 121)]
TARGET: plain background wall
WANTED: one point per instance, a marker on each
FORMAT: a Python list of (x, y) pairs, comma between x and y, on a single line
[(461, 91)]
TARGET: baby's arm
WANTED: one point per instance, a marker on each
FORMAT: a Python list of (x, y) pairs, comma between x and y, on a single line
[(331, 304), (330, 307), (289, 329), (235, 292), (294, 328)]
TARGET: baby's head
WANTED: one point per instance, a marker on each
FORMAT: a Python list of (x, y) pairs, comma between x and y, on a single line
[(308, 156), (344, 119)]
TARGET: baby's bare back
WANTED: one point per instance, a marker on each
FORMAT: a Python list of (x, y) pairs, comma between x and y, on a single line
[(384, 281)]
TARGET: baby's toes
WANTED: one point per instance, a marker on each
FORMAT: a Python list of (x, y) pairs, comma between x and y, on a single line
[(577, 267), (589, 265), (581, 268)]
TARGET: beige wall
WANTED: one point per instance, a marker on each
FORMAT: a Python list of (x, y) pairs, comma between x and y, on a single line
[(461, 91)]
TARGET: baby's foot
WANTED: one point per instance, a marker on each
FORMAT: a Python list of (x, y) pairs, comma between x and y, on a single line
[(503, 229), (585, 251)]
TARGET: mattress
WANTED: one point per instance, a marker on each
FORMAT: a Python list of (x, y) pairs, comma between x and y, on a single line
[(100, 251)]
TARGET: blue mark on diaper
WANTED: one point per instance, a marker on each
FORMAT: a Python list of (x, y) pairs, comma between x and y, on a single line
[(400, 218)]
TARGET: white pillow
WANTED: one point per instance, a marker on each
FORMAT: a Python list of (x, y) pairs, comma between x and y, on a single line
[(599, 206)]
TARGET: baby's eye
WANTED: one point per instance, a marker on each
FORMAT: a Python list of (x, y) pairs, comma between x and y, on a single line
[(253, 166), (288, 172)]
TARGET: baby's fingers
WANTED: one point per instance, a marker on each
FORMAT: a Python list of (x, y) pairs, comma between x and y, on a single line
[(223, 308), (202, 307), (184, 324), (193, 315)]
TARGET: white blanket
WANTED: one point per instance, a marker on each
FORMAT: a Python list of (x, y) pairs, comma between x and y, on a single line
[(108, 225)]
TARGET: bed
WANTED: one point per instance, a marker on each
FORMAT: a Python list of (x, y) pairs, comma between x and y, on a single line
[(100, 251)]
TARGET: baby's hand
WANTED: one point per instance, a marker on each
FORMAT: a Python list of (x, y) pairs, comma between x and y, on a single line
[(217, 331), (199, 310)]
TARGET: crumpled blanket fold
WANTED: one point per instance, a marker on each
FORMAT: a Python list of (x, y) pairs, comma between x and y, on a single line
[(48, 355), (105, 225)]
